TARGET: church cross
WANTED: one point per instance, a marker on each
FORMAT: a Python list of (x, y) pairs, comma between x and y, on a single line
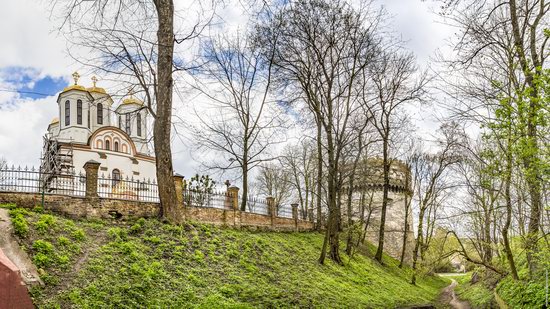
[(94, 80), (76, 76)]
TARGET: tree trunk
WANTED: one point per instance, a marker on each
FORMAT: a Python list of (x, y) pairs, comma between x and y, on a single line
[(380, 249), (170, 209), (418, 242), (245, 186), (319, 222)]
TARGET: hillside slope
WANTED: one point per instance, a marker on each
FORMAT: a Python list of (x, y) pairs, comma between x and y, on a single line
[(93, 263)]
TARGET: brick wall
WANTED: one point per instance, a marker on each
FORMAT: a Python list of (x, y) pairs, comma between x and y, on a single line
[(78, 207)]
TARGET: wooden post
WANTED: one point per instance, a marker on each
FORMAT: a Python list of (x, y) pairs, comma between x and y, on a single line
[(295, 215), (91, 168)]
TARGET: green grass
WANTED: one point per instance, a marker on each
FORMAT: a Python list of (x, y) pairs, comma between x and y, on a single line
[(145, 263), (478, 295)]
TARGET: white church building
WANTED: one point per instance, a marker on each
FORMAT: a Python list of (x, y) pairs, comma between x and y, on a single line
[(90, 127)]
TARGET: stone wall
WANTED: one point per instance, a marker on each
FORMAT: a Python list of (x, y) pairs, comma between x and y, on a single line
[(78, 207)]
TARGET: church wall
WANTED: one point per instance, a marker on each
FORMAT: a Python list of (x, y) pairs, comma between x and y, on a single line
[(124, 163)]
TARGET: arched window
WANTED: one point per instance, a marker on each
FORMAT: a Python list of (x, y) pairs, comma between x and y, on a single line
[(124, 148), (120, 122), (128, 124), (67, 113), (116, 146), (88, 118), (138, 124), (116, 177), (99, 113), (79, 112), (99, 144), (107, 144)]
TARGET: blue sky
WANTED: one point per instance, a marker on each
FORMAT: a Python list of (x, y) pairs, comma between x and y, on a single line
[(29, 83)]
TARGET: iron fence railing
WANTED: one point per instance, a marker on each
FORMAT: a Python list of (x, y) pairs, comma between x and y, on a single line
[(32, 180), (211, 199), (284, 211), (128, 189), (257, 205)]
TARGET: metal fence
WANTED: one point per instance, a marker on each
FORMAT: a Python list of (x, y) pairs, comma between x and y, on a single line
[(212, 199), (128, 189), (32, 180), (257, 205), (284, 211)]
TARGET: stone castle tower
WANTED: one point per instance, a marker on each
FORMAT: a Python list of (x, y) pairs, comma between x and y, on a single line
[(367, 203)]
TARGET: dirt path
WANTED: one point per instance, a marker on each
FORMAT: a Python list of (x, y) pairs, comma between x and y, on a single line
[(448, 296), (13, 251)]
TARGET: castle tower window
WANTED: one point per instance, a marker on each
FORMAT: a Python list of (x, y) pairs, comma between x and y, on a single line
[(79, 112), (128, 124), (138, 124), (116, 177), (67, 113), (107, 145), (99, 113), (116, 146)]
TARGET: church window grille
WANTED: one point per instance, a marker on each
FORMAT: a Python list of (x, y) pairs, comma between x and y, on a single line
[(138, 124), (79, 112), (116, 177), (99, 113), (67, 112)]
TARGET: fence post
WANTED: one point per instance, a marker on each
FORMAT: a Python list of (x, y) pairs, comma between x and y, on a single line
[(232, 199), (295, 214), (91, 168), (178, 182)]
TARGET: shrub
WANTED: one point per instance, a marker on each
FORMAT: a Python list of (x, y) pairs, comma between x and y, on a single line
[(44, 223), (42, 246), (63, 241), (79, 234), (20, 226), (117, 234)]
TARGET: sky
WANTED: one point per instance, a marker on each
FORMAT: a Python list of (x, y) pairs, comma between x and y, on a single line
[(35, 66)]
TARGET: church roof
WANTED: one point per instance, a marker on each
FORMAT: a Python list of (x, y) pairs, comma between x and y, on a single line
[(96, 89), (132, 100), (74, 87)]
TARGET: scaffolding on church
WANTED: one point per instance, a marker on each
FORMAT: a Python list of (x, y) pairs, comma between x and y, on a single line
[(56, 167)]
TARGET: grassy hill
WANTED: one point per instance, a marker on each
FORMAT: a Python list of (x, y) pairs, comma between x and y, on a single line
[(95, 263)]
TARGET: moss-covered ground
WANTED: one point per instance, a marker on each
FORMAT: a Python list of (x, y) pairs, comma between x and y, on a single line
[(145, 263)]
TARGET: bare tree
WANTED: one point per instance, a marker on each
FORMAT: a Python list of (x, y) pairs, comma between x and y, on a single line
[(320, 49), (275, 181), (396, 83), (244, 123), (431, 184)]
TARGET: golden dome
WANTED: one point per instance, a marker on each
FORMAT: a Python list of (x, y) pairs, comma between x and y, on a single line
[(96, 89), (74, 87), (55, 120), (132, 100)]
